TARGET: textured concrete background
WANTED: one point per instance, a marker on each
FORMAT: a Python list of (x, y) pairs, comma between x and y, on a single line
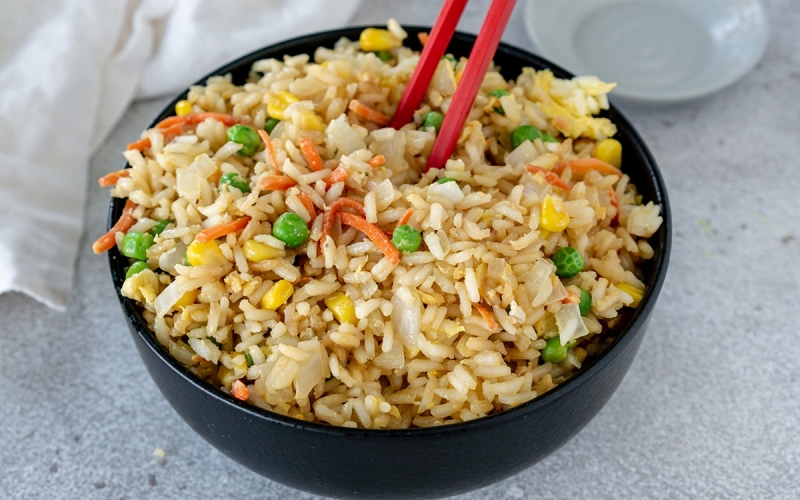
[(710, 408)]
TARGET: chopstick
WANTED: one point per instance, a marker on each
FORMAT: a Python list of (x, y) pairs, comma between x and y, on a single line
[(432, 53), (479, 59)]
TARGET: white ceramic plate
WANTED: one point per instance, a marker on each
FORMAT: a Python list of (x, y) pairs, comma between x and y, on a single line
[(655, 50)]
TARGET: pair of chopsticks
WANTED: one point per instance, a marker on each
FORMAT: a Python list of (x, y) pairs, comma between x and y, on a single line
[(479, 59)]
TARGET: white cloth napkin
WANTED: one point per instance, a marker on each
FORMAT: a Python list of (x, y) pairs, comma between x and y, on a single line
[(68, 71)]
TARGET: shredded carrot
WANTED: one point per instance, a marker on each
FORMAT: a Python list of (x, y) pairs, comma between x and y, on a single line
[(338, 175), (305, 199), (196, 118), (487, 316), (108, 240), (215, 177), (423, 37), (276, 183), (330, 214), (376, 161), (571, 298), (141, 145), (582, 165), (614, 199), (220, 230), (240, 391), (111, 178), (406, 216), (270, 150), (312, 155), (550, 177), (373, 232), (368, 113)]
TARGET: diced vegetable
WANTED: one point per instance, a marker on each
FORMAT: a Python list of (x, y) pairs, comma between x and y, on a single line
[(586, 302), (433, 119), (220, 230), (368, 113), (548, 138), (383, 55), (450, 58), (273, 159), (255, 251), (160, 227), (609, 151), (568, 261), (135, 245), (406, 239), (487, 317), (108, 240), (445, 179), (374, 233), (631, 290), (236, 180), (183, 108), (240, 391), (136, 268), (277, 295), (246, 136), (554, 217), (248, 359), (406, 217), (187, 298), (524, 133), (498, 93), (111, 178), (342, 308), (374, 39), (309, 150), (205, 254), (277, 106), (291, 229), (270, 124), (550, 177), (554, 352)]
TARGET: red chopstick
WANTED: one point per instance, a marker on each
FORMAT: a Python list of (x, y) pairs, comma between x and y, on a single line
[(479, 59), (432, 53)]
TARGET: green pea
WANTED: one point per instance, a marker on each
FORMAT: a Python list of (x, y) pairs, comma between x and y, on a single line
[(444, 180), (433, 119), (291, 229), (524, 133), (499, 93), (246, 136), (136, 268), (586, 302), (270, 125), (135, 245), (160, 227), (450, 58), (554, 352), (383, 55), (548, 138), (235, 180), (248, 358), (406, 239), (568, 261)]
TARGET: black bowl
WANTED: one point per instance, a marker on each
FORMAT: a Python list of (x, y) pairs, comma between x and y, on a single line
[(414, 463)]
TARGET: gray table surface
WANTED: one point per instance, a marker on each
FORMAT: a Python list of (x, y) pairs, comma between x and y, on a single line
[(710, 408)]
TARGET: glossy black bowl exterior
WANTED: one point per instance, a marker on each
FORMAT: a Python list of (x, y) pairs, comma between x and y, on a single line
[(416, 463)]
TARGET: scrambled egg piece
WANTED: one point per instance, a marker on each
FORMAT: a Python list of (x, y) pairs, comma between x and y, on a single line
[(142, 286)]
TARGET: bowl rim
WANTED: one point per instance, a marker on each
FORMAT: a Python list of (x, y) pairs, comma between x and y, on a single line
[(656, 97), (634, 326)]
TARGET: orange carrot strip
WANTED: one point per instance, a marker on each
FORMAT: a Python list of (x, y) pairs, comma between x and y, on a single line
[(487, 317), (550, 177), (141, 145), (368, 113), (273, 158), (220, 230), (305, 199), (111, 178), (312, 155), (423, 37), (330, 214), (338, 175), (376, 161), (614, 199), (276, 183), (215, 177), (406, 216), (108, 240), (373, 232), (582, 165), (172, 132), (240, 391), (195, 118)]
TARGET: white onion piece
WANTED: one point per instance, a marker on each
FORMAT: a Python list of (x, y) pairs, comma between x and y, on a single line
[(172, 257), (448, 190), (312, 371), (406, 320), (570, 323), (392, 359), (166, 300)]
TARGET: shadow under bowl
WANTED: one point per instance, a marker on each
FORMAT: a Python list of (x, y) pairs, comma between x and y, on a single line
[(413, 463)]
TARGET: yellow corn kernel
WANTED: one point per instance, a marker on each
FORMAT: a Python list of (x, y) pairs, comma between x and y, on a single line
[(205, 254), (277, 295), (325, 64), (373, 39), (554, 216), (255, 251), (342, 308), (278, 105), (631, 290), (183, 108), (609, 151), (187, 298), (580, 353), (311, 121)]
